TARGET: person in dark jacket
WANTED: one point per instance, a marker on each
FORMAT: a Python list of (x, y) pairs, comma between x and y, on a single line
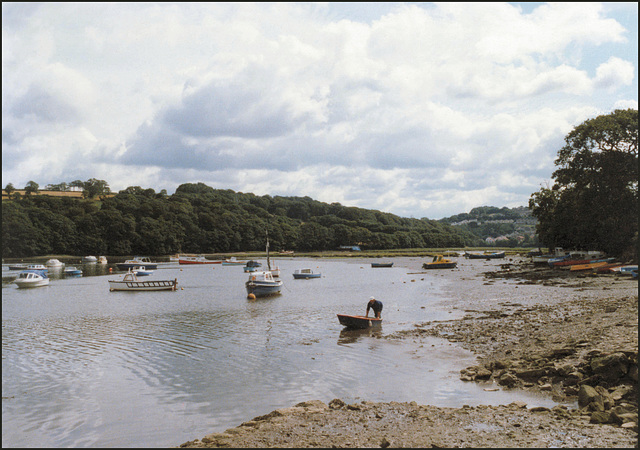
[(376, 305)]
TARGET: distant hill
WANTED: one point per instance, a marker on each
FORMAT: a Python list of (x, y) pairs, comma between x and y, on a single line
[(504, 227)]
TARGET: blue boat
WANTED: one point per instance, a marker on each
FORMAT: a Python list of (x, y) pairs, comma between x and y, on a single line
[(305, 274), (72, 271), (252, 266), (495, 255)]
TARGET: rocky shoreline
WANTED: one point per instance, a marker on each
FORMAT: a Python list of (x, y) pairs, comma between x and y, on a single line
[(580, 348)]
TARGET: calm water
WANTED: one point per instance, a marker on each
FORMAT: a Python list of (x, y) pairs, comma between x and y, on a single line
[(85, 367)]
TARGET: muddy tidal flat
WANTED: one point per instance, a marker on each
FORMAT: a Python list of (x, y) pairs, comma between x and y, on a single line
[(573, 337)]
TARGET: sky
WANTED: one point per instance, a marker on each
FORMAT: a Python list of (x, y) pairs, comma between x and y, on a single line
[(423, 110)]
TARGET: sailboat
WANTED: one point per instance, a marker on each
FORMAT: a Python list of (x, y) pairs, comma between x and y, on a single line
[(263, 283)]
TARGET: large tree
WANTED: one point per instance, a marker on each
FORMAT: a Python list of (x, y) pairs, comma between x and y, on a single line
[(593, 203)]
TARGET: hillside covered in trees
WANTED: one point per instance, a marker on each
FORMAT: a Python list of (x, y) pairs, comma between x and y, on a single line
[(201, 219), (506, 227)]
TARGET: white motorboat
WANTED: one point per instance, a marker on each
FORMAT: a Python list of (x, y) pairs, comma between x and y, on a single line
[(141, 271), (130, 282), (30, 279), (54, 263), (262, 284)]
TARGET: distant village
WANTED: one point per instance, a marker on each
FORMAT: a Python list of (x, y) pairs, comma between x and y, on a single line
[(498, 225)]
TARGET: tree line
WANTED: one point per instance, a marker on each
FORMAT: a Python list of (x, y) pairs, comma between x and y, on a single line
[(201, 219)]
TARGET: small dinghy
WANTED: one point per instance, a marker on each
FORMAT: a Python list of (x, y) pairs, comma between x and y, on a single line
[(359, 322)]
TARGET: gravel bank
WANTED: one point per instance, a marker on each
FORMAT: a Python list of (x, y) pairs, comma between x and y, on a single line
[(571, 336)]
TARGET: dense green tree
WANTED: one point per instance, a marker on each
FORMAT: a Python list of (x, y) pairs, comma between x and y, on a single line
[(93, 188), (9, 189), (593, 203), (31, 188), (20, 237)]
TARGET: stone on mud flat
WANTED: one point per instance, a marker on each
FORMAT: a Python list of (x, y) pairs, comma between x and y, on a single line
[(612, 366), (587, 394), (508, 380)]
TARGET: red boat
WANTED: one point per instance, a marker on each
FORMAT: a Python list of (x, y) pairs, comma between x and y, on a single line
[(359, 321)]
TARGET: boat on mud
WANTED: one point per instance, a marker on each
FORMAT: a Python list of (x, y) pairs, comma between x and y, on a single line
[(440, 262), (358, 322)]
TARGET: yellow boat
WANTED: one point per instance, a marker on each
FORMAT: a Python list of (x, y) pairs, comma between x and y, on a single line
[(440, 262), (589, 266)]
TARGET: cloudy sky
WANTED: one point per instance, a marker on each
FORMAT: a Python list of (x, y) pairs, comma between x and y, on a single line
[(418, 109)]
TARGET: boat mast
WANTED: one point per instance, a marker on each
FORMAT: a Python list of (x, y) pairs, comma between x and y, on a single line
[(268, 262)]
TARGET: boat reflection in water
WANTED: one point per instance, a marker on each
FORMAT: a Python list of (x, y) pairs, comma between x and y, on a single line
[(351, 335)]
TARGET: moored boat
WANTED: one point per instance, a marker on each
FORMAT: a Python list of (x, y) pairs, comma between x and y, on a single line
[(440, 262), (358, 322), (590, 265), (382, 264), (130, 282), (252, 266), (233, 262), (137, 261), (200, 259), (54, 263), (72, 271), (486, 255), (305, 274), (262, 284), (18, 266), (31, 279), (39, 267), (89, 260), (141, 271), (102, 260), (627, 269)]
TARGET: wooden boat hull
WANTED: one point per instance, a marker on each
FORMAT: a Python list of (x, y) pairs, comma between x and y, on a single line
[(592, 265), (358, 322), (382, 264), (451, 265), (485, 256), (158, 285)]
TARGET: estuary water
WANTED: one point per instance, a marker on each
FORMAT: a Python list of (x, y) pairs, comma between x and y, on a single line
[(85, 367)]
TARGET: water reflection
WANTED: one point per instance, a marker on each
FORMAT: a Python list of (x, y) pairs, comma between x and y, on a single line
[(350, 336)]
